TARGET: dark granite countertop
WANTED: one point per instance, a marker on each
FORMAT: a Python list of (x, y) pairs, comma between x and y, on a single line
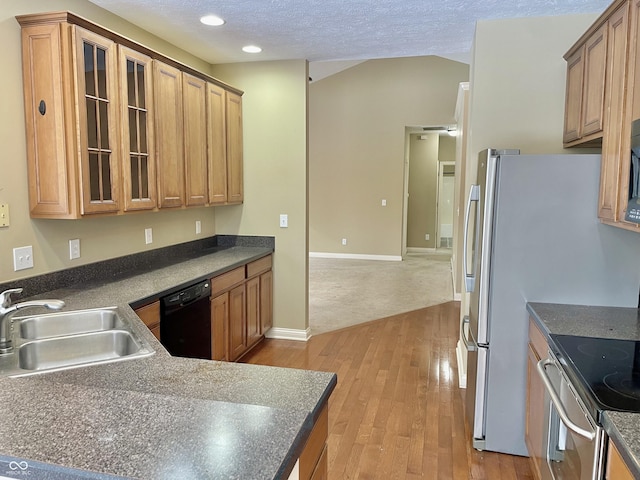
[(603, 322), (158, 417)]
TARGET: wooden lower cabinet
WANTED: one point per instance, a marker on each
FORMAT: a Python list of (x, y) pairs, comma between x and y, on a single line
[(219, 327), (313, 459), (535, 410), (253, 311), (150, 315), (616, 468), (237, 322), (266, 302)]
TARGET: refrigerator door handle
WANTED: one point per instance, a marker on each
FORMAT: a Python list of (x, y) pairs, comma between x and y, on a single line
[(470, 278), (471, 345)]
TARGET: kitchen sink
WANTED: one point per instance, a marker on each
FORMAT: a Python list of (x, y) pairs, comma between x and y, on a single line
[(63, 340), (68, 323), (87, 348)]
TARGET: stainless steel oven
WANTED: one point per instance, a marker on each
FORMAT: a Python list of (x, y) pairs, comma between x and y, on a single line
[(574, 442)]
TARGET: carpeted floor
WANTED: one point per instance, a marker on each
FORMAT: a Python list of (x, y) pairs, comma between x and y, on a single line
[(345, 292)]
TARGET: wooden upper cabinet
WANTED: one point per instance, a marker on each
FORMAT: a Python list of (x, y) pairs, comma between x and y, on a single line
[(235, 189), (194, 94), (137, 115), (217, 144), (70, 91), (573, 99), (96, 66), (113, 126), (167, 82), (595, 61), (615, 142)]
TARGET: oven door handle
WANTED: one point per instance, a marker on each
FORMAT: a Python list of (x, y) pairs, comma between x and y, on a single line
[(555, 398)]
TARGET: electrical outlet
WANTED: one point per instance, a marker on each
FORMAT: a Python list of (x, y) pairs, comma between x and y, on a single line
[(344, 241), (74, 249), (198, 227), (284, 220), (384, 202), (22, 258), (426, 237), (148, 236)]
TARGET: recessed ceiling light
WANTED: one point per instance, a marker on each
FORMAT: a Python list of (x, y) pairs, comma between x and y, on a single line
[(251, 49), (212, 20)]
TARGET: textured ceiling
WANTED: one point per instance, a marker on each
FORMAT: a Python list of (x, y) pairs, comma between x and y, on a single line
[(322, 30)]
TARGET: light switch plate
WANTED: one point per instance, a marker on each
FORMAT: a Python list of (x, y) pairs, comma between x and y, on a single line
[(284, 220), (198, 227), (22, 258), (4, 214), (74, 249), (148, 236)]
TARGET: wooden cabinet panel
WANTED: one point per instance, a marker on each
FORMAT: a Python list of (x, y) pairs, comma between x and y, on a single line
[(217, 144), (235, 189), (237, 323), (219, 327), (253, 311), (573, 99), (322, 468), (150, 315), (194, 92), (315, 445), (266, 302), (615, 142), (535, 408), (227, 280), (137, 133), (51, 158), (259, 266), (96, 63), (169, 135), (616, 468), (595, 59)]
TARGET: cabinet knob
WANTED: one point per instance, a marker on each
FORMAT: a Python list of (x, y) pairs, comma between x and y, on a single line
[(42, 107)]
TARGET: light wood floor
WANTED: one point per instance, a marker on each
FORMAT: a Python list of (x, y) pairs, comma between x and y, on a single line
[(397, 412)]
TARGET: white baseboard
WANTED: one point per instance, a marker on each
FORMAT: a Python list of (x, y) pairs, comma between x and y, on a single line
[(420, 250), (462, 376), (289, 334), (356, 256), (457, 296)]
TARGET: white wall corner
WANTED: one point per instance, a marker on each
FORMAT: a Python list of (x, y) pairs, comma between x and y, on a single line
[(289, 334)]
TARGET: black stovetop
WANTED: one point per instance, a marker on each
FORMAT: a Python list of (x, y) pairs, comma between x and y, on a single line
[(609, 369)]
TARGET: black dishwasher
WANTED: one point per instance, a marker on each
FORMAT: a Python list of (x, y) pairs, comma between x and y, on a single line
[(185, 322)]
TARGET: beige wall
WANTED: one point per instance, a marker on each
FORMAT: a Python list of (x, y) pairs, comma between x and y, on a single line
[(423, 184), (518, 82), (357, 122), (100, 238), (275, 175)]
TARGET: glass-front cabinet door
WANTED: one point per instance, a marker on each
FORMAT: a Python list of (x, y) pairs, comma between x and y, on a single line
[(97, 110), (138, 167)]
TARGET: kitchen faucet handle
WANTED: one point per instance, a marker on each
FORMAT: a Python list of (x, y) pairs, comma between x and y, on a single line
[(5, 297)]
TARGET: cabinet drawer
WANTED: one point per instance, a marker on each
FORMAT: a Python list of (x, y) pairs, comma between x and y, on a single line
[(226, 280), (259, 266), (315, 445), (537, 340)]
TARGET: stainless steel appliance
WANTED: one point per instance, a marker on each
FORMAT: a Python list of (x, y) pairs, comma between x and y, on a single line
[(575, 442), (532, 234), (185, 322), (633, 207), (585, 376)]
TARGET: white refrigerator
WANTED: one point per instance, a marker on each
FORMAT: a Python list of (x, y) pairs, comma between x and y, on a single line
[(533, 236)]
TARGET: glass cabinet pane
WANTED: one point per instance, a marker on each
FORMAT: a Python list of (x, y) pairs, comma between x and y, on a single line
[(133, 131), (142, 122), (89, 69), (92, 123), (102, 72), (135, 172), (94, 176), (141, 89), (131, 91), (144, 178), (104, 125), (106, 177)]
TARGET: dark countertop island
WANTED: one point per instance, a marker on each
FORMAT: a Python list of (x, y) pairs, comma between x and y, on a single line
[(159, 417)]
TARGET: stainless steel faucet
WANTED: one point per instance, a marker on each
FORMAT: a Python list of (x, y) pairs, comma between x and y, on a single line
[(7, 310)]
